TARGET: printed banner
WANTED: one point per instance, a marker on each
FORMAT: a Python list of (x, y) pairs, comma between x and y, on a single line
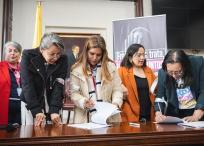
[(149, 31)]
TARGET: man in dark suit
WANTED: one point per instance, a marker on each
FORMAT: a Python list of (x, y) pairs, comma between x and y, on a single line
[(73, 56)]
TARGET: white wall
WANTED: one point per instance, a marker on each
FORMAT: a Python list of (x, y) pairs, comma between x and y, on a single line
[(147, 7), (69, 16)]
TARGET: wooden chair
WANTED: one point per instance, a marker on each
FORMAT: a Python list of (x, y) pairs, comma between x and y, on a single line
[(69, 106)]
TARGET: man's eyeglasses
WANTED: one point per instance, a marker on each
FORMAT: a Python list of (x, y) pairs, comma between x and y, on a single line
[(175, 73)]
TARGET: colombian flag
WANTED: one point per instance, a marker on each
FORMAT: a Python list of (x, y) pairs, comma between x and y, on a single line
[(38, 26)]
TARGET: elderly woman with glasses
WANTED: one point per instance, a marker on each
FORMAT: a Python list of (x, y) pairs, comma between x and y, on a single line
[(43, 72), (10, 88), (181, 87)]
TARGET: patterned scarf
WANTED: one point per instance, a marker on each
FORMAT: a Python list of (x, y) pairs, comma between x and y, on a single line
[(94, 83), (16, 71)]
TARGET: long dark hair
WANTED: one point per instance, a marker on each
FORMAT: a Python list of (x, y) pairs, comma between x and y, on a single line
[(179, 56), (132, 49)]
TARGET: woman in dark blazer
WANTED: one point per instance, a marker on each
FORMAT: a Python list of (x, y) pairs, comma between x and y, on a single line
[(181, 86), (43, 72)]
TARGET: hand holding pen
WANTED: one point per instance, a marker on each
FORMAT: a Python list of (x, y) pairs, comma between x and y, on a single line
[(89, 103), (159, 116)]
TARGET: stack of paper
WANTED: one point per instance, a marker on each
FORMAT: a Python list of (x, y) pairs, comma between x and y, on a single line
[(88, 125), (198, 124), (176, 120), (171, 120), (104, 110)]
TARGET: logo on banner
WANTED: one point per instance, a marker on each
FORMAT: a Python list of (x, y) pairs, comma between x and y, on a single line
[(147, 31)]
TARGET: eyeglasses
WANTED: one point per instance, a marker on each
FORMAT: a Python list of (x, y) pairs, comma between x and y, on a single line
[(139, 55), (175, 73)]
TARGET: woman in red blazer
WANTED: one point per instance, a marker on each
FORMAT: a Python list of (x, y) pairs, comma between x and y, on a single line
[(137, 78), (10, 105)]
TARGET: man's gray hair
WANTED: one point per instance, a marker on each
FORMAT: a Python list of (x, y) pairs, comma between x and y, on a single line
[(14, 44), (50, 39)]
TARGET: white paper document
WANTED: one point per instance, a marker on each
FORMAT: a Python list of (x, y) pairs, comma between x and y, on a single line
[(198, 124), (88, 126), (104, 110), (181, 122), (171, 120)]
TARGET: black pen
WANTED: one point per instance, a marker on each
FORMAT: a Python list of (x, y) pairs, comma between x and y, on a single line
[(159, 107), (90, 97)]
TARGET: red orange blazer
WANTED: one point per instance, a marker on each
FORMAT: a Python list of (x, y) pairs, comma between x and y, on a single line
[(131, 106), (5, 86)]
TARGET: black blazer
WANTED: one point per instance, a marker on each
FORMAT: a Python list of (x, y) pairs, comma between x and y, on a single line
[(169, 93), (36, 81), (71, 61)]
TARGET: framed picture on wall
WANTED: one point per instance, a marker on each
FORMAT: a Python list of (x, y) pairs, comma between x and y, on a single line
[(74, 40), (74, 44)]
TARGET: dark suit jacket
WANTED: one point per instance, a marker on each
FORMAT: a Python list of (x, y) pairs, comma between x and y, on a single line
[(71, 61), (169, 93)]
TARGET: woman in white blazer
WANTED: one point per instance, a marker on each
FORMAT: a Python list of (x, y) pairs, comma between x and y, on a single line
[(94, 77)]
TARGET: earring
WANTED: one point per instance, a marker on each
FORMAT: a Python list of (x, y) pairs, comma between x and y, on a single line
[(130, 59)]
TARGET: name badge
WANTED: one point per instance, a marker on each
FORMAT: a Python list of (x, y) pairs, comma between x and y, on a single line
[(19, 90)]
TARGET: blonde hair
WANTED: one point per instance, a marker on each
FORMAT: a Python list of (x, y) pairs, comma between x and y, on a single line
[(95, 41)]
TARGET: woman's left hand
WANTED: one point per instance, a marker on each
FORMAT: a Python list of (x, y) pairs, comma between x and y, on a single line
[(197, 115), (116, 105), (125, 92), (56, 119), (67, 90)]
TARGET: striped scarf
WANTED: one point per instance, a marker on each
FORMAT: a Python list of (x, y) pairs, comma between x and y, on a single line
[(94, 83)]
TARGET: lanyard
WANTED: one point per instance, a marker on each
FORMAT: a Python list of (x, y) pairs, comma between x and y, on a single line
[(94, 82)]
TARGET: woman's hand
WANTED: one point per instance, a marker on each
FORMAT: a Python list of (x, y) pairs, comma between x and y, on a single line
[(197, 115), (159, 117), (125, 92), (88, 103), (67, 90), (116, 105), (40, 119), (56, 119)]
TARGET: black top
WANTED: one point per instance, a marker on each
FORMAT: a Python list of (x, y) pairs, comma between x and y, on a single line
[(14, 86), (143, 95), (14, 115)]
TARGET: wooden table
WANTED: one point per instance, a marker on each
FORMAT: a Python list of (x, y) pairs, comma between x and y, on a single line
[(121, 134)]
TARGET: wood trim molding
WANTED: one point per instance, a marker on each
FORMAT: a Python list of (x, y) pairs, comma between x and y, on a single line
[(139, 8), (7, 23)]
